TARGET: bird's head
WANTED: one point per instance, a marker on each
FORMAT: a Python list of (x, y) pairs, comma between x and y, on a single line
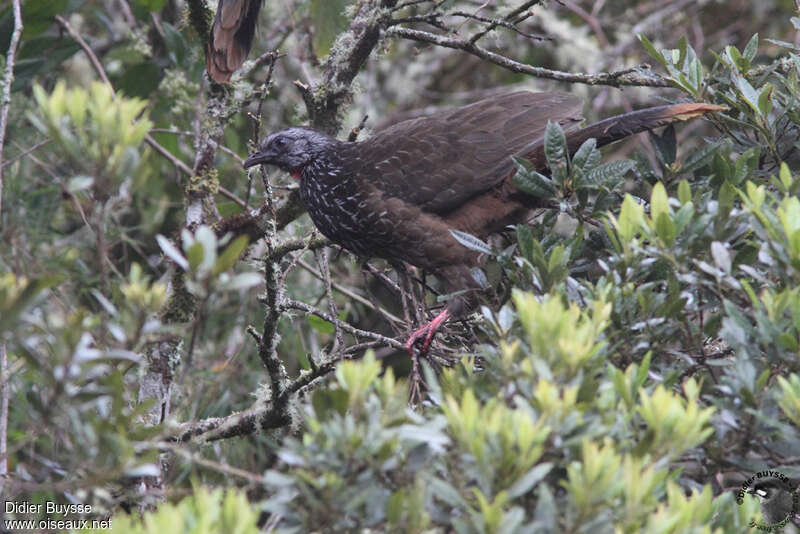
[(290, 150)]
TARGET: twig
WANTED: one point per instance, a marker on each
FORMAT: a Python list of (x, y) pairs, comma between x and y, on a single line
[(350, 294), (25, 152), (510, 17), (638, 77), (295, 304), (502, 23), (87, 50), (8, 79), (269, 338), (216, 466), (187, 133), (353, 136), (324, 268)]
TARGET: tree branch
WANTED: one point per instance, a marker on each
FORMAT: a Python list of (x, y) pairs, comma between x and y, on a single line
[(640, 76), (8, 79)]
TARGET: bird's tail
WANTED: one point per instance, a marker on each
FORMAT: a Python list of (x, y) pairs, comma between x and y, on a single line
[(231, 37), (621, 126)]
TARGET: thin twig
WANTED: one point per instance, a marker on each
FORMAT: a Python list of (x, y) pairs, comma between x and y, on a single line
[(637, 77), (351, 294), (297, 305), (508, 18), (8, 79), (25, 152), (187, 133), (324, 268), (216, 466)]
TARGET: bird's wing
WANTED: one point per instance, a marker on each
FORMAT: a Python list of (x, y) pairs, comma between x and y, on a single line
[(440, 161)]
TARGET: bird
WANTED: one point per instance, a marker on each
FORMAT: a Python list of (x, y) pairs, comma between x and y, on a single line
[(397, 194), (231, 37), (775, 498)]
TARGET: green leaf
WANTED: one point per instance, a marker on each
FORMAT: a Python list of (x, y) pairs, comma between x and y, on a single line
[(471, 242), (700, 158), (659, 202), (140, 80), (320, 325), (751, 48), (650, 49), (555, 151), (525, 241), (37, 16), (684, 192), (326, 401), (765, 99), (529, 480), (785, 176), (26, 298), (230, 255), (152, 5), (665, 228), (533, 183), (585, 154), (748, 93), (630, 219), (195, 255), (683, 46), (665, 144), (610, 175), (735, 57)]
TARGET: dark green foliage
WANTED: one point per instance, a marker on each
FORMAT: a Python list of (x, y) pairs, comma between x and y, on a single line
[(645, 363)]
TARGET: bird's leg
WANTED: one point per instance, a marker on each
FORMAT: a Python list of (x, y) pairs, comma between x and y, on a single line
[(428, 331)]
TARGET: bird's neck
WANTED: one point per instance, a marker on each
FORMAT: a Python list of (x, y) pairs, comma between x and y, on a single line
[(328, 167)]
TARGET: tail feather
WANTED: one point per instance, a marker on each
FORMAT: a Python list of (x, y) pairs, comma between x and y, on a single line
[(231, 37), (616, 128)]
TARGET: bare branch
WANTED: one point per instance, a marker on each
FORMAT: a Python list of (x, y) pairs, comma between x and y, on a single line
[(510, 18), (351, 295), (8, 79), (24, 153), (640, 76)]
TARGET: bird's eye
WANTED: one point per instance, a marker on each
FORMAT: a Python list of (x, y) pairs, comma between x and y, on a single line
[(280, 142)]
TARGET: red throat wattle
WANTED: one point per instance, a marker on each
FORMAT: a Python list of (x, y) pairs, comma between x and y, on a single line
[(296, 173)]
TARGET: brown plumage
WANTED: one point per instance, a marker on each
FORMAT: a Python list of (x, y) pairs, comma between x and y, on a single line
[(398, 194), (231, 37)]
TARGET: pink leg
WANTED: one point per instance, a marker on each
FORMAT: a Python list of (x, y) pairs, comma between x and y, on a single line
[(428, 330)]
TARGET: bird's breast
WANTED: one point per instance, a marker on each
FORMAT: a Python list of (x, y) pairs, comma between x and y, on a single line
[(345, 211)]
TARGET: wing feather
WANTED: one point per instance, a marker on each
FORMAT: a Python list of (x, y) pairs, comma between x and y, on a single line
[(439, 161)]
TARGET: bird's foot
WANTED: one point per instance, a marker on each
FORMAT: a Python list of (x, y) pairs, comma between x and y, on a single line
[(427, 331)]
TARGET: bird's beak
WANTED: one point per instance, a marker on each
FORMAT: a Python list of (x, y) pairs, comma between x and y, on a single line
[(258, 158)]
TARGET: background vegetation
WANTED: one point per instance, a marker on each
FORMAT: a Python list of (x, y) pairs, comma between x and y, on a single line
[(172, 329)]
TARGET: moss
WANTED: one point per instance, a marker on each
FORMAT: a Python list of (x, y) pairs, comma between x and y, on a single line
[(204, 183), (181, 306)]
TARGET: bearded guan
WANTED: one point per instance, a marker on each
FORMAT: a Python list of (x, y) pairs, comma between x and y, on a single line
[(398, 194), (231, 37)]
